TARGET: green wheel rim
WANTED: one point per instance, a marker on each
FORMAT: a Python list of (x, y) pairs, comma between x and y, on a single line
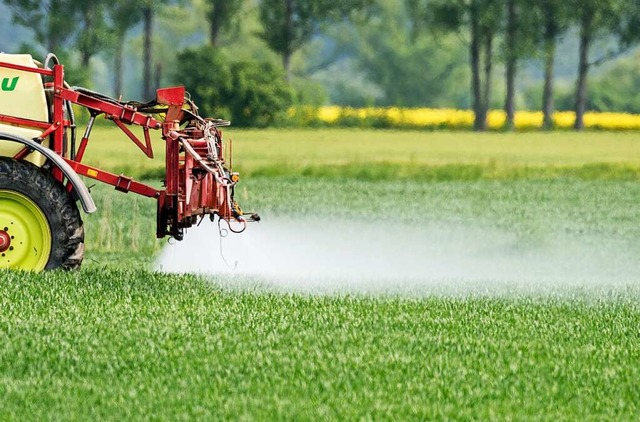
[(28, 230)]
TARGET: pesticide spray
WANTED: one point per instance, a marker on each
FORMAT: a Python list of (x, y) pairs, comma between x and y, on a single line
[(313, 256)]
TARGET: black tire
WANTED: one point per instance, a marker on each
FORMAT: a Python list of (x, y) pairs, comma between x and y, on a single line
[(60, 210)]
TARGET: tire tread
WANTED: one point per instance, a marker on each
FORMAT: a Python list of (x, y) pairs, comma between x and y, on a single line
[(61, 211)]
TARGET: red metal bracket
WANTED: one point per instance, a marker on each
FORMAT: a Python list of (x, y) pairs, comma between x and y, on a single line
[(124, 183), (121, 183), (147, 148), (171, 96)]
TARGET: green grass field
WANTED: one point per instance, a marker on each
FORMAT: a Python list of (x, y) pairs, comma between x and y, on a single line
[(376, 155), (126, 344), (120, 341)]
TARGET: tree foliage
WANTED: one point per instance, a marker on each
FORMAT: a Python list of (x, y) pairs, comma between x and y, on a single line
[(410, 69), (594, 18), (50, 20), (58, 23), (124, 15), (402, 52), (615, 88), (93, 35), (148, 9), (221, 15), (247, 93), (289, 24)]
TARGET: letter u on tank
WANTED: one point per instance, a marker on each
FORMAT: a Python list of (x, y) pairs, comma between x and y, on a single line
[(9, 86)]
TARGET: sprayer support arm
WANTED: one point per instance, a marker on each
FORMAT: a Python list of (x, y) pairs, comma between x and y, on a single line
[(122, 183), (123, 112)]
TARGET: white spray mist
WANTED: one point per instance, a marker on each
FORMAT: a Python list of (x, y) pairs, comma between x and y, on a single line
[(316, 256)]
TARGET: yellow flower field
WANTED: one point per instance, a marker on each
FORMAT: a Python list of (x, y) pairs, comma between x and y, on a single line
[(430, 118)]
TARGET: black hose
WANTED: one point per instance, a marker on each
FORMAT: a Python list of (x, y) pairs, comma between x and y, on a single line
[(50, 57), (72, 120)]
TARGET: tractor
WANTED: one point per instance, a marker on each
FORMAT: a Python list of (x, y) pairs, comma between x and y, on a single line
[(41, 227)]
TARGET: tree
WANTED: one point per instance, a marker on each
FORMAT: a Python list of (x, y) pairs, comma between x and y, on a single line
[(394, 56), (147, 16), (482, 20), (629, 26), (56, 23), (148, 9), (610, 90), (519, 42), (289, 24), (511, 62), (220, 15), (124, 15), (553, 18), (521, 35), (93, 35), (594, 18), (48, 19)]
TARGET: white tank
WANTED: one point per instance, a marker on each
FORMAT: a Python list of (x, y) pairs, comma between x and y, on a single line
[(21, 95)]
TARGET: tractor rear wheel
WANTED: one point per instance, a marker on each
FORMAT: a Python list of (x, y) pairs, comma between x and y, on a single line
[(40, 225)]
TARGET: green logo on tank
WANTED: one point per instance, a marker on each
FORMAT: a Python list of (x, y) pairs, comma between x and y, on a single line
[(9, 84)]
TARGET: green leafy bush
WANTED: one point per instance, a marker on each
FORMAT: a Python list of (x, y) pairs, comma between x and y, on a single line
[(259, 94), (616, 88), (207, 76), (249, 93)]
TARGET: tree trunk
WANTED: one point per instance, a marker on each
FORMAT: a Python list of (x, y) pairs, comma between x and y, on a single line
[(488, 67), (511, 63), (214, 34), (53, 43), (85, 57), (583, 69), (117, 89), (547, 94), (286, 62), (158, 76), (288, 52), (214, 21), (479, 121), (86, 47), (550, 42), (146, 71)]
